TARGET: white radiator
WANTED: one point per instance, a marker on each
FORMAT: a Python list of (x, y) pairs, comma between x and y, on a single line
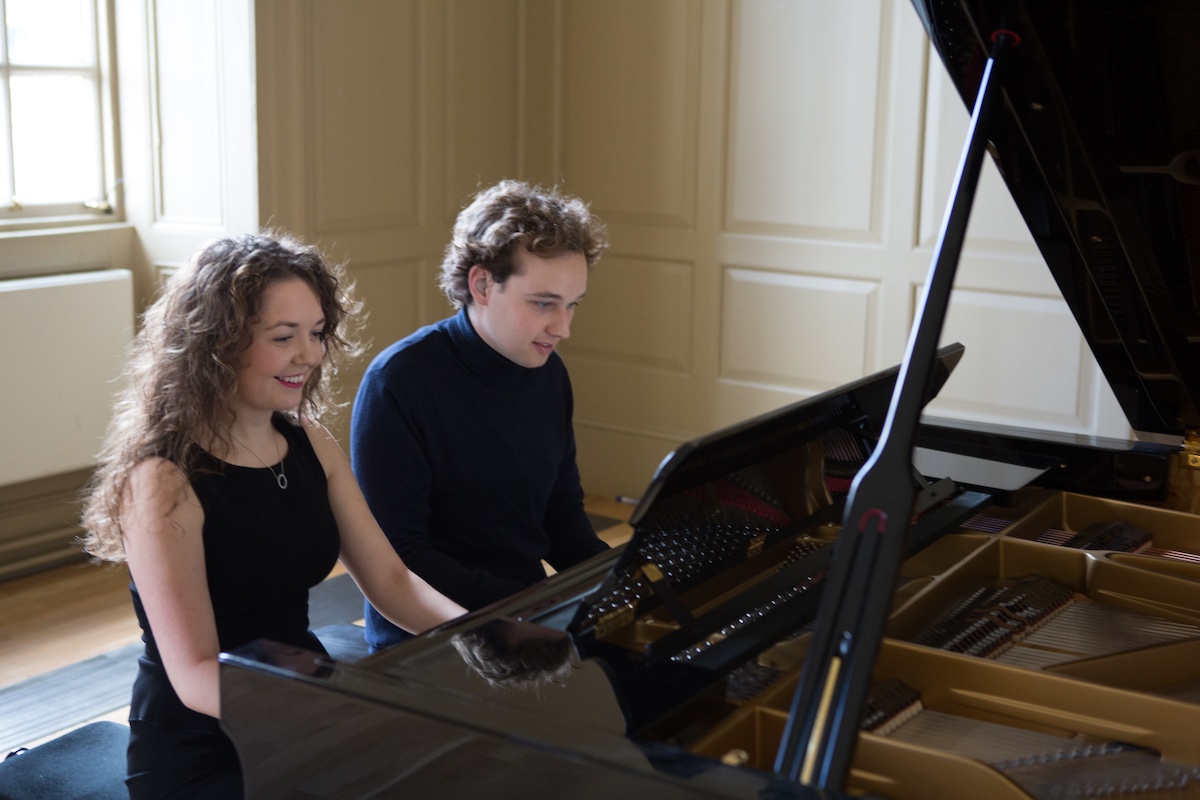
[(62, 344)]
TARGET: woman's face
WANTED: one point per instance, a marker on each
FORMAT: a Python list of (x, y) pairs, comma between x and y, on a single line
[(288, 343)]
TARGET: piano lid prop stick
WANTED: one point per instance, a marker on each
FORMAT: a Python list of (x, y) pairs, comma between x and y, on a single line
[(827, 707)]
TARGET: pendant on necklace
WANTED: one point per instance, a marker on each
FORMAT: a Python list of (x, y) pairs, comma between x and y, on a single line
[(281, 479)]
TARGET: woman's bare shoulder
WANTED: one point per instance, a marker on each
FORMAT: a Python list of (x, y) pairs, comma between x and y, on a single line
[(157, 485)]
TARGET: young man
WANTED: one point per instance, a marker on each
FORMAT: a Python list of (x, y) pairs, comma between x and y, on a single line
[(461, 436)]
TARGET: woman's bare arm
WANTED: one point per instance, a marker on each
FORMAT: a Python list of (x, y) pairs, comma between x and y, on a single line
[(396, 591), (162, 524)]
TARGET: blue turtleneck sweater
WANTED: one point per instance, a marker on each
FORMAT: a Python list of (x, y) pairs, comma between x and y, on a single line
[(467, 461)]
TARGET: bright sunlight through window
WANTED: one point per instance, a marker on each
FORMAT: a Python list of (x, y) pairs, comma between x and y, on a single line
[(53, 160)]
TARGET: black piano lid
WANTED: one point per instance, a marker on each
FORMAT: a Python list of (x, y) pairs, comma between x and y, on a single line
[(1099, 144)]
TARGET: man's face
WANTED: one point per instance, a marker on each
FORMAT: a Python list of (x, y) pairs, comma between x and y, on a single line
[(526, 316)]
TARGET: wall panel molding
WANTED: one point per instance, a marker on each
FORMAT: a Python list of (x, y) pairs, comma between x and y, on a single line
[(364, 106), (480, 61), (806, 332), (391, 293), (284, 79), (656, 322), (630, 113), (1055, 382), (773, 174), (808, 107), (392, 303)]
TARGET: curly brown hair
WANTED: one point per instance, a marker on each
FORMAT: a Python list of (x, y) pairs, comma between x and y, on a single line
[(182, 366), (511, 215)]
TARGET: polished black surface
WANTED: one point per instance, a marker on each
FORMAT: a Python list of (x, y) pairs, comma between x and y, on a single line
[(418, 721), (1099, 144)]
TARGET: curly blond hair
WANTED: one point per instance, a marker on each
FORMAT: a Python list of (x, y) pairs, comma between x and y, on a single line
[(182, 365), (514, 215)]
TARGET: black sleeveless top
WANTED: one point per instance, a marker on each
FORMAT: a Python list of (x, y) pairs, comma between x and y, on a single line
[(264, 547)]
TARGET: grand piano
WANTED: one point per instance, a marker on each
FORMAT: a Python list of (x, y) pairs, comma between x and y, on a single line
[(845, 597)]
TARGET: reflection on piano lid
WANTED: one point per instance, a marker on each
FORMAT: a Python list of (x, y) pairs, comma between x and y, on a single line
[(972, 471), (1041, 631)]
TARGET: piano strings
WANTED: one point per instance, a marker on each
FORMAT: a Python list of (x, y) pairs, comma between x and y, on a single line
[(1117, 536), (991, 618), (1034, 622), (1048, 766)]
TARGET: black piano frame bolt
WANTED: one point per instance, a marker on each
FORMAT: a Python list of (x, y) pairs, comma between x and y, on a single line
[(827, 708)]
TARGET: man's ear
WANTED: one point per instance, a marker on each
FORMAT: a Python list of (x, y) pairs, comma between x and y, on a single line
[(479, 281)]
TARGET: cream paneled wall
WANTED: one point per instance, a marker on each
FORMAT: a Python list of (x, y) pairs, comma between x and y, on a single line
[(808, 109), (377, 120), (781, 277), (831, 143), (773, 173), (629, 110), (643, 141)]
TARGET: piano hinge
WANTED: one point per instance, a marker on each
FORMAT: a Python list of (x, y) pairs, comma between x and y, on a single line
[(1191, 450), (756, 545), (615, 619)]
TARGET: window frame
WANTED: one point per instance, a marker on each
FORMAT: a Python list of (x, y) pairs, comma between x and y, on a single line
[(90, 211)]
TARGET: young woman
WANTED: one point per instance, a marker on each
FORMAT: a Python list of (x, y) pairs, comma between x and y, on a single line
[(226, 497)]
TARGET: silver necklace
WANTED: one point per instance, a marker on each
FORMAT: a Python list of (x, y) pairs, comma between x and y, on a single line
[(280, 477)]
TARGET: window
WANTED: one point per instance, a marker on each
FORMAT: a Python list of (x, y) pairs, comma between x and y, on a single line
[(55, 132)]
